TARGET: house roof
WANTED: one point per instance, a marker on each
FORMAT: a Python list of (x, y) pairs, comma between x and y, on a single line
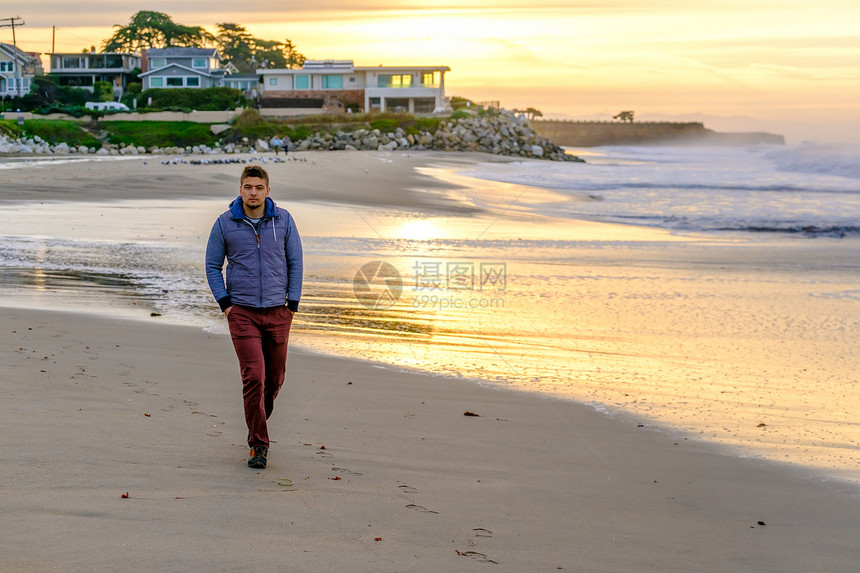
[(335, 69), (175, 52), (328, 65), (132, 54), (210, 73), (17, 53)]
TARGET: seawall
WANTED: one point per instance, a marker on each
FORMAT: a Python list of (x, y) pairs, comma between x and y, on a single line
[(597, 133)]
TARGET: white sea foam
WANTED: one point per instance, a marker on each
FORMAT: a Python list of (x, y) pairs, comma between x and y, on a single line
[(809, 189)]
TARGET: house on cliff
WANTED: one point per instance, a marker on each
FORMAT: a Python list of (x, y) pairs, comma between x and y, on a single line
[(338, 84), (181, 68), (17, 69), (83, 69)]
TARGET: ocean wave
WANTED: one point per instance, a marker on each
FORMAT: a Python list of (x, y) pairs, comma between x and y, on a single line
[(834, 231), (818, 159)]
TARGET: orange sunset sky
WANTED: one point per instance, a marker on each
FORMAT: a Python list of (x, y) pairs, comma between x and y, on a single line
[(787, 66)]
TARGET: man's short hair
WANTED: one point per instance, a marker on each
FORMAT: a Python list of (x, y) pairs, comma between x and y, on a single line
[(254, 171)]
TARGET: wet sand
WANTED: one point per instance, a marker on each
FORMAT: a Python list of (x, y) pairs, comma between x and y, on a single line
[(371, 470), (96, 406)]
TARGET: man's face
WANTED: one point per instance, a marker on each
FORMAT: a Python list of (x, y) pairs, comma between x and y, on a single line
[(253, 191)]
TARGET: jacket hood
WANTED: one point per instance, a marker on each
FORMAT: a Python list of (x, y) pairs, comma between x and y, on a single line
[(238, 213)]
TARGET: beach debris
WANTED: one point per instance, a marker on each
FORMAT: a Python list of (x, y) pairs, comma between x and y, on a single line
[(147, 415), (760, 522), (468, 413), (322, 447), (335, 478), (349, 383), (125, 495), (377, 538), (154, 314), (761, 425)]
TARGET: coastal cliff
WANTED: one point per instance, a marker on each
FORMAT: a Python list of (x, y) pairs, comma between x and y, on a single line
[(597, 133)]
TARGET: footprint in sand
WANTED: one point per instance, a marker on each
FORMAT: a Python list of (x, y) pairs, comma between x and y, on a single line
[(346, 471), (287, 484), (479, 557), (421, 508)]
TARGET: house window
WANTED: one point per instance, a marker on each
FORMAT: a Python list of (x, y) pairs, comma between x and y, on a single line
[(273, 81), (424, 104), (174, 82), (199, 63), (73, 62), (157, 62), (375, 102), (156, 82), (192, 82), (7, 66), (395, 80), (302, 82), (431, 78), (332, 82), (113, 62)]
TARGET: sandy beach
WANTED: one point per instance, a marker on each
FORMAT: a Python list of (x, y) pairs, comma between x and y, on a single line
[(372, 470), (374, 466)]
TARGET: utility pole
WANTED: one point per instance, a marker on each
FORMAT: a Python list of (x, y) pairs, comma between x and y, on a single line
[(14, 21)]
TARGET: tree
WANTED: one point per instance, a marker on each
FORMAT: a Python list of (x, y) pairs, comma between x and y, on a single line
[(103, 90), (235, 44), (532, 113), (624, 116), (247, 52), (149, 29)]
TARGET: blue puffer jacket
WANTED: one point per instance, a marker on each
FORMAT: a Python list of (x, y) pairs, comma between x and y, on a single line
[(264, 268)]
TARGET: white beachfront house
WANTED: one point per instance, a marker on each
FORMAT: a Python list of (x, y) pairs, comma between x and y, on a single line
[(17, 69), (83, 69), (416, 89), (181, 68)]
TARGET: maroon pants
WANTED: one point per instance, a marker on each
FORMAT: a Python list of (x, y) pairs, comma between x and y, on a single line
[(260, 338)]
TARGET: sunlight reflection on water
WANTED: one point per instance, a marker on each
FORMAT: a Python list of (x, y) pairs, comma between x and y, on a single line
[(713, 335)]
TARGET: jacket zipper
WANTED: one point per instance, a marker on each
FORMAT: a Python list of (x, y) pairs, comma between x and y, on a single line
[(259, 263)]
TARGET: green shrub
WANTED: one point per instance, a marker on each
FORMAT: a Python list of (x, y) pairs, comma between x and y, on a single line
[(431, 124), (458, 102), (159, 133), (300, 132), (53, 131), (103, 91), (206, 99), (385, 125)]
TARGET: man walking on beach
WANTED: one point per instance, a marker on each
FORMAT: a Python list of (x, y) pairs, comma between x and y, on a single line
[(264, 284)]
